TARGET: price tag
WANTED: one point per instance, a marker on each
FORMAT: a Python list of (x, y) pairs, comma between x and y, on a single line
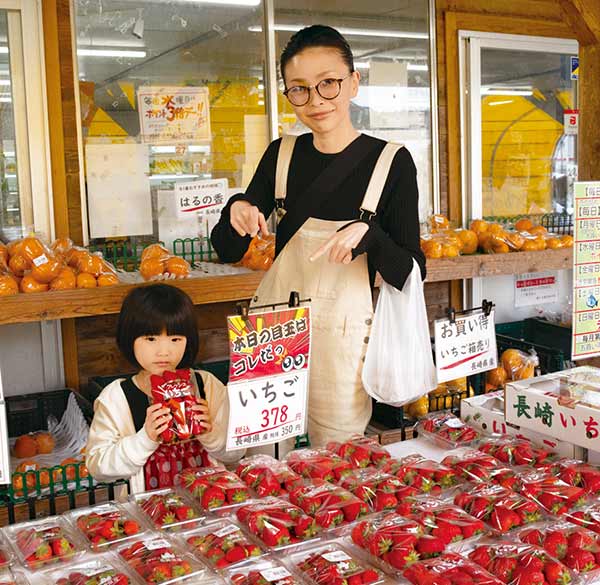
[(156, 544), (336, 556), (43, 259), (275, 573), (226, 531), (455, 423)]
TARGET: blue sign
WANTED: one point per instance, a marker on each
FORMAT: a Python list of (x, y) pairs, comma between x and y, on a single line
[(574, 68)]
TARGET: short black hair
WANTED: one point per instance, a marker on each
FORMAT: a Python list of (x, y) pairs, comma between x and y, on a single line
[(152, 310), (317, 35)]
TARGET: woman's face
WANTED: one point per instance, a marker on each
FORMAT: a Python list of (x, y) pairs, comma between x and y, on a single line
[(308, 68)]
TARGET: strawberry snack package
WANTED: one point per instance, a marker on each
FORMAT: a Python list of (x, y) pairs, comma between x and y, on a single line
[(361, 451), (106, 525), (91, 570), (41, 543), (276, 522), (222, 544), (449, 569), (175, 391), (447, 431), (426, 476), (263, 572), (168, 510), (331, 564), (318, 464), (267, 476), (213, 487)]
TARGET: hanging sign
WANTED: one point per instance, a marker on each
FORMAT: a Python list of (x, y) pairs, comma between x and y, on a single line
[(465, 347), (268, 377), (201, 198), (571, 121)]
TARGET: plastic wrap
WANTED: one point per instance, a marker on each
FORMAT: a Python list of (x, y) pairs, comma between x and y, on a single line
[(318, 464), (579, 474), (267, 476), (519, 365), (447, 431), (91, 570), (361, 452), (263, 572), (477, 466), (168, 510), (450, 569), (512, 450), (427, 476), (157, 263), (260, 253)]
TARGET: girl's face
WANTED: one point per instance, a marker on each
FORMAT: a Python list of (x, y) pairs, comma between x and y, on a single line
[(157, 353), (308, 68)]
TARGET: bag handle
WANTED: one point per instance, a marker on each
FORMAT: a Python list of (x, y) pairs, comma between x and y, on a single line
[(284, 158)]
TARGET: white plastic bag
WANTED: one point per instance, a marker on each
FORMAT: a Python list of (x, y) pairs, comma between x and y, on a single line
[(399, 364)]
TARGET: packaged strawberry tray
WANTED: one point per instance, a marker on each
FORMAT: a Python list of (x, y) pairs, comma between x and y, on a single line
[(579, 474), (267, 476), (13, 576), (512, 450), (318, 464), (168, 510), (222, 544), (175, 391), (263, 572), (379, 490), (330, 505), (41, 543), (501, 509), (450, 569), (332, 563), (426, 476), (447, 431), (91, 570), (156, 559), (477, 466), (276, 522), (6, 555), (588, 516), (106, 525), (361, 451), (519, 564), (213, 488)]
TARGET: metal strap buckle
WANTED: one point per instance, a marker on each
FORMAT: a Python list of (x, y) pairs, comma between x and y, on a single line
[(364, 212)]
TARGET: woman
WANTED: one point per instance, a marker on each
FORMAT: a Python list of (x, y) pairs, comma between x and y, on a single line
[(348, 207)]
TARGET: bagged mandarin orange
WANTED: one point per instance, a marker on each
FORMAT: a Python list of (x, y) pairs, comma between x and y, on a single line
[(260, 253), (8, 284)]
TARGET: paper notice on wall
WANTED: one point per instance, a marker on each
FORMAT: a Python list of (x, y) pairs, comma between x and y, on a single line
[(118, 190), (388, 94)]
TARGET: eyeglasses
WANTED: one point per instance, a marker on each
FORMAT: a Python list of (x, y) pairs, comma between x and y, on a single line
[(328, 89)]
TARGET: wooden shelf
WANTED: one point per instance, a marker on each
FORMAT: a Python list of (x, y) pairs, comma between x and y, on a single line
[(25, 308)]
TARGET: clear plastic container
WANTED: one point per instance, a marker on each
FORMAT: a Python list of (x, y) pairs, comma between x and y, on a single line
[(517, 451), (91, 570), (16, 576), (447, 431), (6, 554), (318, 464), (169, 510), (361, 451), (579, 474), (267, 476), (452, 568), (263, 572), (477, 466), (426, 476)]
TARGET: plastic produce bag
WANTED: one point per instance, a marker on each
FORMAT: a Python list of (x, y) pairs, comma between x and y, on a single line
[(399, 365)]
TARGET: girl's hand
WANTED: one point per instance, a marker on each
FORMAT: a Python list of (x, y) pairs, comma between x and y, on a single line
[(157, 421), (201, 414), (341, 244), (247, 220)]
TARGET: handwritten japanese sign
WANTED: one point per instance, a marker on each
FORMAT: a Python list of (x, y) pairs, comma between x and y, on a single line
[(203, 198), (535, 288), (173, 114), (268, 378), (465, 347), (586, 271)]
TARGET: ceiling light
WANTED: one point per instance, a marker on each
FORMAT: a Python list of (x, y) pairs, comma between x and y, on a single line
[(4, 81), (501, 102), (111, 53), (358, 32), (5, 99), (507, 91), (415, 67), (4, 50), (205, 148), (230, 2), (362, 65)]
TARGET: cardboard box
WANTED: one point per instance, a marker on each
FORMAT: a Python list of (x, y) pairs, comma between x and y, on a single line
[(560, 405), (486, 413)]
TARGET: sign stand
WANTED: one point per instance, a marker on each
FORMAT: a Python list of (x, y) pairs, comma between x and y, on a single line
[(486, 307)]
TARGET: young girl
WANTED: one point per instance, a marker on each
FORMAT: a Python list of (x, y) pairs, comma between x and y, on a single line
[(156, 332)]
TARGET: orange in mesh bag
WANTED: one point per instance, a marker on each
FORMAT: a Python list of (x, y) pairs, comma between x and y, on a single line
[(260, 253), (158, 264), (8, 283), (518, 364)]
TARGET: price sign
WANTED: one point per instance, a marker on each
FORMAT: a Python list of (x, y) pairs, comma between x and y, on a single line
[(268, 379), (202, 198), (465, 347)]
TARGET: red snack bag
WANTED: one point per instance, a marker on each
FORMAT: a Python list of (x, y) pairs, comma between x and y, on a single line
[(361, 451), (449, 569)]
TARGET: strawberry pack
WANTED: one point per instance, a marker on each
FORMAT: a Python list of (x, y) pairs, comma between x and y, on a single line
[(13, 576), (263, 572), (512, 450), (267, 476), (41, 543), (318, 464), (477, 466), (222, 544), (96, 570), (519, 564), (449, 569), (277, 523), (447, 431), (5, 554), (333, 564), (501, 509), (158, 560), (588, 516), (168, 510), (361, 451), (213, 487), (579, 474), (379, 490), (106, 525), (429, 477), (328, 504), (175, 391)]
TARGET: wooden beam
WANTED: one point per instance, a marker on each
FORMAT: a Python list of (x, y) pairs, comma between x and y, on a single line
[(589, 108), (583, 16)]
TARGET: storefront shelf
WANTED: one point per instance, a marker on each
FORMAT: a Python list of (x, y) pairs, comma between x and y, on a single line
[(24, 308)]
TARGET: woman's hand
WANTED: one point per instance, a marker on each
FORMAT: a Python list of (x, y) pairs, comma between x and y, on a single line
[(341, 244), (201, 414), (157, 420), (247, 220)]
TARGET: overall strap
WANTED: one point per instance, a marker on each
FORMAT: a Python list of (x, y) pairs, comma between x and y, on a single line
[(286, 148), (199, 384), (378, 179)]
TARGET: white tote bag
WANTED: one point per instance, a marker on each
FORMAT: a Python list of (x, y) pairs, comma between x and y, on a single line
[(399, 365)]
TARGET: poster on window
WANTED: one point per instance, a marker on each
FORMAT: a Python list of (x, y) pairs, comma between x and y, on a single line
[(170, 115)]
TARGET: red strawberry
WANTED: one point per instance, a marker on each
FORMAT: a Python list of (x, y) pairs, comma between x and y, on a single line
[(556, 573), (503, 568), (556, 544), (213, 497), (131, 527), (400, 557), (504, 519), (525, 576), (483, 556), (532, 536), (581, 539), (581, 561), (429, 547)]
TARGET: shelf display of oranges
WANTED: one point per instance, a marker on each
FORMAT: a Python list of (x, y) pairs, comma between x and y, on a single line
[(158, 263)]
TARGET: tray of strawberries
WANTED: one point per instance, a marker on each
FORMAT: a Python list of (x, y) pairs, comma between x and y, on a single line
[(579, 474), (155, 559), (501, 509), (267, 476), (588, 516), (213, 488), (13, 576), (512, 450), (450, 569), (222, 544), (276, 522), (106, 525), (332, 563), (41, 543), (330, 505), (361, 451), (477, 466), (318, 464), (379, 490), (96, 570), (447, 431), (5, 553), (168, 510), (424, 475), (263, 572), (519, 564)]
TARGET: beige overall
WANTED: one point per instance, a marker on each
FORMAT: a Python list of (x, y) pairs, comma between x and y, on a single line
[(341, 310)]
